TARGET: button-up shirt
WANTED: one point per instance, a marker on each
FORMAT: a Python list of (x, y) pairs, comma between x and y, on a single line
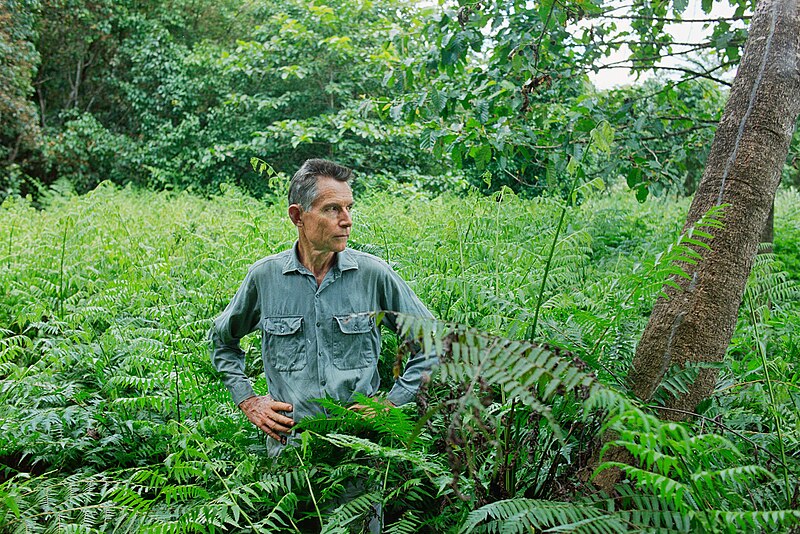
[(316, 341)]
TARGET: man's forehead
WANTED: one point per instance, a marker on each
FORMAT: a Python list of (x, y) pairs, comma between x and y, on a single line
[(332, 190)]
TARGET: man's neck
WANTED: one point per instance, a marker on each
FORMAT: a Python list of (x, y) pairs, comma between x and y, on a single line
[(319, 263)]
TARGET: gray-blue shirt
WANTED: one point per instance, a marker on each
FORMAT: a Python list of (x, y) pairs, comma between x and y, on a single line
[(316, 341)]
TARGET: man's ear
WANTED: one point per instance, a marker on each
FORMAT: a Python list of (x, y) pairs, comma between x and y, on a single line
[(296, 215)]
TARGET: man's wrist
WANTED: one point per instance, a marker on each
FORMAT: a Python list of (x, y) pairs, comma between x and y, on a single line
[(245, 401), (241, 391), (248, 400)]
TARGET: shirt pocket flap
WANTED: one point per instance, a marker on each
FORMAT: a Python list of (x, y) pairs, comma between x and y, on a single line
[(282, 326), (355, 324)]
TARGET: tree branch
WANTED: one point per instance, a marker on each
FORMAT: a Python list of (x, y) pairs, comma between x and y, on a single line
[(673, 19), (699, 46), (706, 74), (679, 132)]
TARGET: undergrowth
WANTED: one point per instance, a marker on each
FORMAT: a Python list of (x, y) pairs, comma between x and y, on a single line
[(114, 420)]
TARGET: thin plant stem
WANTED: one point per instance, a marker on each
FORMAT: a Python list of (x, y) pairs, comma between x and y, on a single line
[(310, 489), (61, 271), (510, 481), (277, 507), (749, 382), (386, 476), (762, 351), (10, 241), (173, 346), (500, 199), (551, 253)]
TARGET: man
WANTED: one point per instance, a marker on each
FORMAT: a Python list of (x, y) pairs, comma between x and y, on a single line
[(312, 304)]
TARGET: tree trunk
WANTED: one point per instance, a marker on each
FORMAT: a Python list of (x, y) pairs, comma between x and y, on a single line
[(696, 323)]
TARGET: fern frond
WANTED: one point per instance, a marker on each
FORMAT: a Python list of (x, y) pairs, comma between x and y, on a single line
[(421, 460), (744, 521), (668, 488), (408, 523), (648, 455), (525, 515), (345, 514), (279, 518), (740, 477)]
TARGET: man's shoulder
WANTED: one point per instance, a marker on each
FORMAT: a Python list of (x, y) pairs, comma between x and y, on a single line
[(367, 261), (273, 261)]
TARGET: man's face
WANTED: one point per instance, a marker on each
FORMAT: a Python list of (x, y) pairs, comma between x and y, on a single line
[(326, 226)]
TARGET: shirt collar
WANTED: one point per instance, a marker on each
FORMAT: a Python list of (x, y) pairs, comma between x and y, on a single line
[(344, 261)]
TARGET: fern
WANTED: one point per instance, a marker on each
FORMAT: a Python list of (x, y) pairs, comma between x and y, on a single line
[(524, 515), (407, 524), (359, 508), (376, 417), (114, 420), (677, 379)]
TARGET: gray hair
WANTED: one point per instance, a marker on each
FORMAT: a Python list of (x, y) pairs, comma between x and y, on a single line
[(303, 187)]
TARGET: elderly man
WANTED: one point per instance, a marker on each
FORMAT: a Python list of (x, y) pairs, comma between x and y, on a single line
[(312, 304)]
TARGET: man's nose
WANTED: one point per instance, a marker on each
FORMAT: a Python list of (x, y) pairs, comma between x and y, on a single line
[(346, 219)]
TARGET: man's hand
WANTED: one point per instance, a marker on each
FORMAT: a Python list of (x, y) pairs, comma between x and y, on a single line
[(263, 412), (368, 411)]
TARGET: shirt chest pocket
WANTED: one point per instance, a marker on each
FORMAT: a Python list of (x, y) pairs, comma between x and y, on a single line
[(355, 341), (284, 344)]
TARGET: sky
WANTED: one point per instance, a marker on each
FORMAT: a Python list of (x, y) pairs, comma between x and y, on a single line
[(682, 32)]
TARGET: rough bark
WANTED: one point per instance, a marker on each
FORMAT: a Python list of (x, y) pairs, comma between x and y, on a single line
[(743, 170)]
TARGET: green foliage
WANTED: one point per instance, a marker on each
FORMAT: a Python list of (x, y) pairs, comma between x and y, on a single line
[(176, 94), (182, 93), (668, 129), (114, 419), (523, 515), (787, 232), (503, 87), (698, 481), (20, 132)]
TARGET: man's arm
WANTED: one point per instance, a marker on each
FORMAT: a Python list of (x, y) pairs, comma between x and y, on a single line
[(241, 317), (401, 299)]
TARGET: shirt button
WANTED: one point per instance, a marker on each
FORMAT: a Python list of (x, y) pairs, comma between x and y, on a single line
[(323, 382), (316, 296), (318, 324)]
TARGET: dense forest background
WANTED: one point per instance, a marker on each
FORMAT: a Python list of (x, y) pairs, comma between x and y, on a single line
[(181, 94), (145, 149)]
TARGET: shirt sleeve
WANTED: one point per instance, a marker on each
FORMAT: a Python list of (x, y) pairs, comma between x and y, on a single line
[(401, 299), (239, 318)]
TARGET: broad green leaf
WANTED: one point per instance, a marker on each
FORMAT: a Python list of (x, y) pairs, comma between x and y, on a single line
[(603, 137), (634, 177), (679, 6), (572, 166), (455, 155), (482, 154)]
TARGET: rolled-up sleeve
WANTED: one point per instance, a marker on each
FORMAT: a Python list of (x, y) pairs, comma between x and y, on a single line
[(239, 318)]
